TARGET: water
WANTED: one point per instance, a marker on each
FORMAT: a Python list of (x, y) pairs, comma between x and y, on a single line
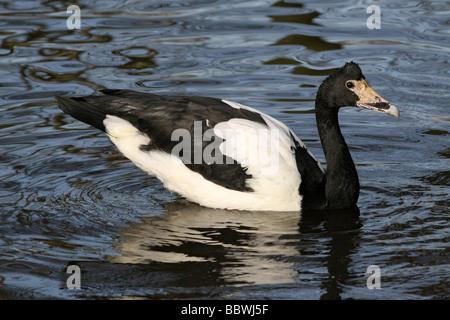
[(68, 197)]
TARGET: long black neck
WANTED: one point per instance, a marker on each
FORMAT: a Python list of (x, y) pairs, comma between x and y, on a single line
[(341, 179)]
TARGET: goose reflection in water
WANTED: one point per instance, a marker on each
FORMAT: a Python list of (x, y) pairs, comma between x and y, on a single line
[(213, 246), (244, 245)]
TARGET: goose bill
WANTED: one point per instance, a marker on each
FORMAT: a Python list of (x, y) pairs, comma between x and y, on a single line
[(370, 99)]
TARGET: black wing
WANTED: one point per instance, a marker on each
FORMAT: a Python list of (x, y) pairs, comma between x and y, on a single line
[(158, 117)]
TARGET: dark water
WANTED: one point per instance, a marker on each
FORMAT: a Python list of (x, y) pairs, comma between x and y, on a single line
[(69, 198)]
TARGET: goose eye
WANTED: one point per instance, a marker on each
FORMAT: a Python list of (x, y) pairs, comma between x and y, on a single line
[(350, 84)]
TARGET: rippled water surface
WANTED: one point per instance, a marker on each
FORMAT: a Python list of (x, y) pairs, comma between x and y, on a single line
[(68, 196)]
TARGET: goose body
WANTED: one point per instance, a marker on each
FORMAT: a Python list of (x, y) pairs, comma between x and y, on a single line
[(222, 154)]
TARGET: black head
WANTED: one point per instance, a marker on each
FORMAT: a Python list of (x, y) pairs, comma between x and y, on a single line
[(348, 87), (334, 89)]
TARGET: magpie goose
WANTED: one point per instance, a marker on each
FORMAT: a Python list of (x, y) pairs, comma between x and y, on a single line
[(226, 155)]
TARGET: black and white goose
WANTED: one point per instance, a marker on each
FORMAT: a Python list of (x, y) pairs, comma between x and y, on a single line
[(222, 154)]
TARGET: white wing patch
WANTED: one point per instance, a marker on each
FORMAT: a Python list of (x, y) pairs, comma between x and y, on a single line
[(285, 132), (267, 154), (273, 124)]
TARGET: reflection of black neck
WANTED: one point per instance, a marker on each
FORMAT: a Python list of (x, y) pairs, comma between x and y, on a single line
[(342, 227), (341, 180)]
